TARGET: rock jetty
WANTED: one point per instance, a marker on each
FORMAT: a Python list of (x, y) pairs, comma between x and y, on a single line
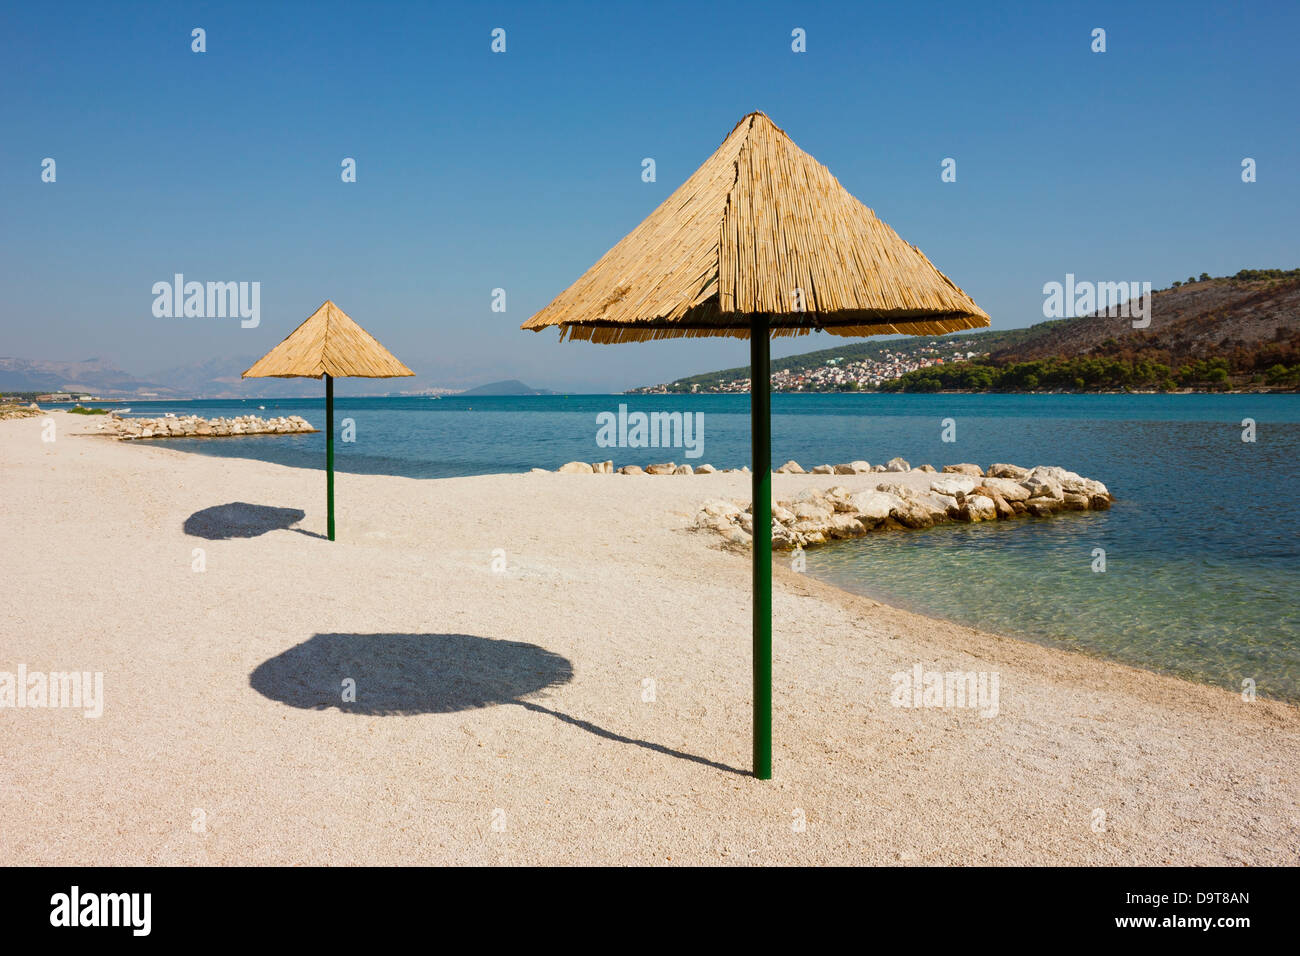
[(658, 468), (961, 493), (191, 426), (11, 410)]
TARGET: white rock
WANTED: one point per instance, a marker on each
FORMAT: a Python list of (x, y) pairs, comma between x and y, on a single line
[(1008, 471), (1043, 488), (1008, 488), (897, 464), (938, 504), (840, 498), (575, 468), (876, 505), (979, 508), (1068, 480), (897, 489), (949, 504), (845, 526), (953, 485), (812, 510), (738, 537), (719, 506), (783, 539), (1096, 488)]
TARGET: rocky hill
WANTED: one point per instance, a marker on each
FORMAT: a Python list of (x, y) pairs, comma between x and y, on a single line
[(1196, 320)]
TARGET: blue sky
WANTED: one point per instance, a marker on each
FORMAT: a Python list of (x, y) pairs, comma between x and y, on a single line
[(478, 170)]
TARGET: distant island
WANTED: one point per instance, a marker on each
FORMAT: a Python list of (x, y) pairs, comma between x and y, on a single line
[(1237, 332), (509, 387)]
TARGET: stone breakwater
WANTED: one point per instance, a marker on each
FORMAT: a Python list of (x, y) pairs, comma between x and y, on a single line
[(191, 426), (8, 411), (964, 493)]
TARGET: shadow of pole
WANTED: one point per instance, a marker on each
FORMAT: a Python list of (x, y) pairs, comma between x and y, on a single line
[(619, 738)]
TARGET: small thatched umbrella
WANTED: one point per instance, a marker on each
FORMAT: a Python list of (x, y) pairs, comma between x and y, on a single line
[(760, 241), (329, 343)]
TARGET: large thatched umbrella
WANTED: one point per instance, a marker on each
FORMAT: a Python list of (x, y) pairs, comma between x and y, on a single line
[(328, 344), (760, 241)]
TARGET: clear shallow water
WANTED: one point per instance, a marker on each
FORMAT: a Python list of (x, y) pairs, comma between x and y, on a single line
[(1202, 551)]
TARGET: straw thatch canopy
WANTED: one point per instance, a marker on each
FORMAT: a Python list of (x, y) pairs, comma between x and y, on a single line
[(760, 219), (328, 343)]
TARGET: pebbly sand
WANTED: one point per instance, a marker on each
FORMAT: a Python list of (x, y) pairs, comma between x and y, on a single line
[(499, 717)]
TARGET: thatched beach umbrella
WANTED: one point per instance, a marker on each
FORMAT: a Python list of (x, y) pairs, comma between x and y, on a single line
[(760, 241), (328, 344)]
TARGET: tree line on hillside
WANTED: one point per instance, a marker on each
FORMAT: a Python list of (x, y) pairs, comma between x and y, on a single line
[(1274, 364), (1245, 275)]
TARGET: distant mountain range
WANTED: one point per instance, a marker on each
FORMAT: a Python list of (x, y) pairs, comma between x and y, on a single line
[(214, 378), (89, 376)]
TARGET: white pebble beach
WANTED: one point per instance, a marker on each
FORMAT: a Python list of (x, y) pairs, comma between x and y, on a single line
[(510, 725)]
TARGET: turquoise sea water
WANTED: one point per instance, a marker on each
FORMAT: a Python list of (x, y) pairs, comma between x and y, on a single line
[(1202, 551)]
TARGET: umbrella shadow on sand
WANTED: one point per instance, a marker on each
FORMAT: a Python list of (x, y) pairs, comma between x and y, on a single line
[(406, 674), (239, 519)]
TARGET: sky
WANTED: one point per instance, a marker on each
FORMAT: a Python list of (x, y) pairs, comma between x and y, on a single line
[(478, 170)]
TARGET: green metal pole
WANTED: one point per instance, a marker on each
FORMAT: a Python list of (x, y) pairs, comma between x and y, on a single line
[(760, 415), (329, 453)]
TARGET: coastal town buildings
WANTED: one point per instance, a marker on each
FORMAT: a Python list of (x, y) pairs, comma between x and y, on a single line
[(837, 374)]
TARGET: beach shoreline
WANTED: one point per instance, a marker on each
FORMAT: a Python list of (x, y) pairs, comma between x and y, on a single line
[(214, 681)]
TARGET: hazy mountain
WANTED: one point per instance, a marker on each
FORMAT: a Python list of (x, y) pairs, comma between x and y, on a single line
[(509, 387), (92, 375), (215, 378)]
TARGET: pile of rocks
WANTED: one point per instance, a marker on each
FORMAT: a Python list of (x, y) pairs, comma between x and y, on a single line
[(191, 426), (964, 493), (792, 467), (662, 468), (19, 411), (789, 468)]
